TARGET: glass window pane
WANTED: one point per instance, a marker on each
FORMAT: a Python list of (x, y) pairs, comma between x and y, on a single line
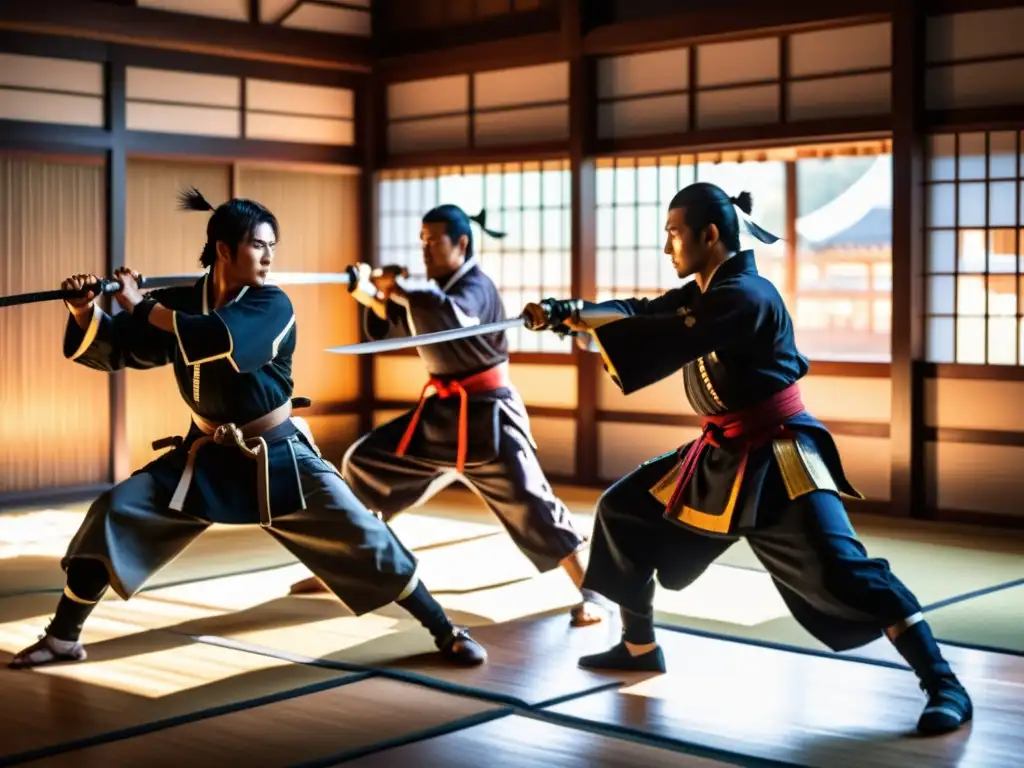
[(939, 295), (668, 184), (605, 273), (942, 157), (973, 251), (1002, 250), (941, 207), (1002, 295), (941, 251), (552, 236), (1002, 155), (625, 184), (531, 230), (647, 184), (605, 227), (1002, 204), (551, 277), (971, 205), (625, 227), (625, 269), (970, 296), (970, 340), (513, 189), (552, 190), (649, 233), (971, 158), (647, 271), (940, 340), (531, 189)]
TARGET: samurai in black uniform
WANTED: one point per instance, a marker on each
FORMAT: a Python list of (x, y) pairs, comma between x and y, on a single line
[(475, 428), (763, 468), (245, 459)]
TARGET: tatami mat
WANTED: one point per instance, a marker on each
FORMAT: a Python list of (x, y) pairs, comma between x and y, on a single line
[(288, 732), (804, 710), (520, 742)]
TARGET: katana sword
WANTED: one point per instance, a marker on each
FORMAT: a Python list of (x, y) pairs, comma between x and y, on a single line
[(348, 278), (556, 312)]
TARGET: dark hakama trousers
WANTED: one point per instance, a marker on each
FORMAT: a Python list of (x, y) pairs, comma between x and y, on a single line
[(132, 531), (508, 478), (836, 591)]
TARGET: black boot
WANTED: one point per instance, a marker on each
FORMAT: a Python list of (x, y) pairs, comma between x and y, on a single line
[(618, 657), (948, 705), (462, 649), (638, 629)]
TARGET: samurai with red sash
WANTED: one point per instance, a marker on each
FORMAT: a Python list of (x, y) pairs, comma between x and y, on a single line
[(470, 423), (228, 341), (763, 468)]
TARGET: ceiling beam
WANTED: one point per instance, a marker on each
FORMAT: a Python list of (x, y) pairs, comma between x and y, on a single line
[(107, 22)]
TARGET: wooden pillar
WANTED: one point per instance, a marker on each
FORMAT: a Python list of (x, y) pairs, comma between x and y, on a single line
[(117, 199), (370, 127), (908, 110), (582, 141)]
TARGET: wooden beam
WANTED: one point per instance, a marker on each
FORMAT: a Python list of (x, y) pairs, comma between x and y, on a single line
[(723, 22), (754, 137), (370, 116), (582, 145), (162, 58), (117, 225), (908, 492), (436, 41), (92, 20), (1009, 117), (513, 153), (542, 48)]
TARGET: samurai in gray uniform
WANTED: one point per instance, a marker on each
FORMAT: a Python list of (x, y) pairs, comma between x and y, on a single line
[(245, 459), (474, 427)]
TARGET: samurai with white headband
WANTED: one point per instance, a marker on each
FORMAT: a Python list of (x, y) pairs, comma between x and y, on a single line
[(763, 468), (245, 459), (470, 424)]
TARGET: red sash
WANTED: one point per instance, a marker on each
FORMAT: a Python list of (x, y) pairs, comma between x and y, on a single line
[(485, 381), (749, 428)]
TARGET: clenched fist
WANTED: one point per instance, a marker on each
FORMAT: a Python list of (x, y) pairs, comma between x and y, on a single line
[(82, 305), (129, 295)]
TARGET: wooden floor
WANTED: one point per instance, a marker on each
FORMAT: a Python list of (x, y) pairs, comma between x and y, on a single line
[(207, 670)]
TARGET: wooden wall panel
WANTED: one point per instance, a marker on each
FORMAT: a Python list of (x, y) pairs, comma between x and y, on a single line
[(319, 218), (45, 90), (162, 240), (314, 114), (167, 101), (974, 404), (556, 444), (975, 478), (334, 434), (55, 426), (976, 59), (546, 385)]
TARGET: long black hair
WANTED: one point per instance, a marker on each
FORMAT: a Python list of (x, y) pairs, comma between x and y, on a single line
[(457, 224), (707, 204), (233, 222)]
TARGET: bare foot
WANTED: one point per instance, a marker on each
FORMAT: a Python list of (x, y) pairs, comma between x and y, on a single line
[(310, 586), (586, 614)]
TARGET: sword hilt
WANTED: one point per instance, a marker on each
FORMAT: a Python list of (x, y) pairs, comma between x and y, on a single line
[(556, 312)]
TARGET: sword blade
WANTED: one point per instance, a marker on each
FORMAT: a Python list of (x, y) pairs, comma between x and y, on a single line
[(347, 279), (404, 342)]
